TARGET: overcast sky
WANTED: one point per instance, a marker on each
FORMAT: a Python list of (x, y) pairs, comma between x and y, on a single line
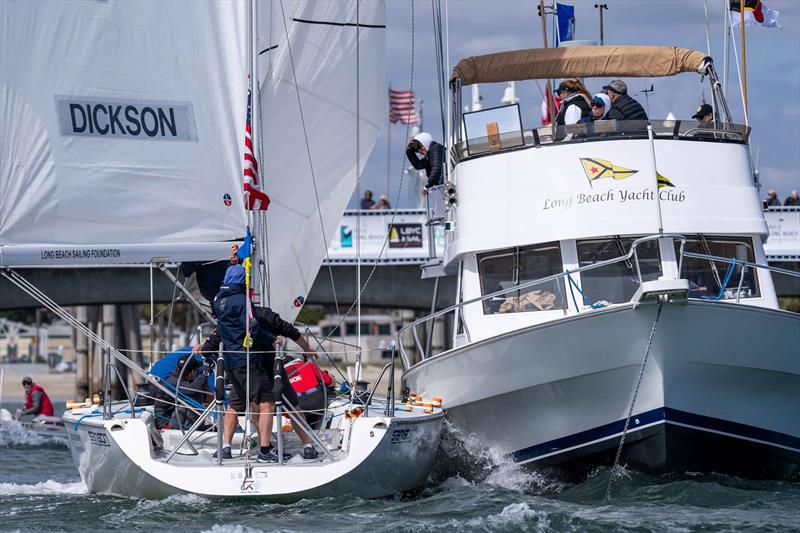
[(481, 26)]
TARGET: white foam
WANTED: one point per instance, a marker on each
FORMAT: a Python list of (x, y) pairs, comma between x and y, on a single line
[(45, 487), (515, 514), (234, 528)]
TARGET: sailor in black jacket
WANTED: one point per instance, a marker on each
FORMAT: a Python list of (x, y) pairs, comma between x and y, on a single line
[(432, 159), (623, 107)]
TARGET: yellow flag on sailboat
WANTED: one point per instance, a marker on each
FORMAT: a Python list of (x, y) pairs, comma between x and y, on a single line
[(600, 168)]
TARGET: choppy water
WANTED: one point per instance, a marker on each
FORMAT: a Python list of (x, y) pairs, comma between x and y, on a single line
[(41, 490)]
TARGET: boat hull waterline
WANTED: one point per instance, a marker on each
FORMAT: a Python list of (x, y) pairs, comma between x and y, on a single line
[(714, 397), (386, 456)]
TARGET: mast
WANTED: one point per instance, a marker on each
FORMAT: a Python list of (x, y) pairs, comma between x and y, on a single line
[(551, 104)]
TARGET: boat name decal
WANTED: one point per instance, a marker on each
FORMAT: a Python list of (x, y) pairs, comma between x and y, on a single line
[(126, 118), (98, 439), (401, 435)]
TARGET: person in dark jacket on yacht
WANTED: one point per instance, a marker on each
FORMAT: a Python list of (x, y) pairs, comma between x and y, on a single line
[(193, 384), (575, 102), (426, 154), (623, 107)]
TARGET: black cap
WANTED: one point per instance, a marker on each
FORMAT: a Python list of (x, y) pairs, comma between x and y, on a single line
[(27, 380), (703, 110)]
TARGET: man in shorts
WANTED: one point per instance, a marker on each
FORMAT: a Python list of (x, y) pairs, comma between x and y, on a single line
[(230, 309)]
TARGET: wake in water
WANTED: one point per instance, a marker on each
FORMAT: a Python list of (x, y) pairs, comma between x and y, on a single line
[(14, 433)]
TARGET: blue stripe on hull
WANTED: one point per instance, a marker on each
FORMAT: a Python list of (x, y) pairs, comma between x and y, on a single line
[(664, 414)]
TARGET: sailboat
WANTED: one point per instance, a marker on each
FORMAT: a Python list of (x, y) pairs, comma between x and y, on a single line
[(614, 304), (123, 127)]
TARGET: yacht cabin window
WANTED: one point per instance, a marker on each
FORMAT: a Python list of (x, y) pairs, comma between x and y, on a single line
[(617, 282), (504, 269), (706, 276)]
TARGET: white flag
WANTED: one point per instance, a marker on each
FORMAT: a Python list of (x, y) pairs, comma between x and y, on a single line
[(770, 18)]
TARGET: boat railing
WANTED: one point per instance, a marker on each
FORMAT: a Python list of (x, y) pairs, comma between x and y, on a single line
[(483, 143), (733, 262), (560, 280)]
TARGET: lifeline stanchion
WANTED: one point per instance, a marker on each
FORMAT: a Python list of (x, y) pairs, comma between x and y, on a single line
[(277, 395), (219, 399)]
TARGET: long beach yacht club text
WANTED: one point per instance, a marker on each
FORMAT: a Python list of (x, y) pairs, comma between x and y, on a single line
[(613, 195)]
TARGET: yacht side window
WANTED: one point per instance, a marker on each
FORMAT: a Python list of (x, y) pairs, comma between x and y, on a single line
[(707, 278), (507, 268), (617, 282)]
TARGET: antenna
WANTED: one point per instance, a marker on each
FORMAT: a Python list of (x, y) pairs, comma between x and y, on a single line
[(601, 7), (647, 97)]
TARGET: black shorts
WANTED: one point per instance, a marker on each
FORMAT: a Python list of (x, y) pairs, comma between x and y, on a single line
[(260, 386)]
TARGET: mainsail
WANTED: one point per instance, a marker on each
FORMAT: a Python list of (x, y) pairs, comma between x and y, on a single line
[(314, 97), (121, 130)]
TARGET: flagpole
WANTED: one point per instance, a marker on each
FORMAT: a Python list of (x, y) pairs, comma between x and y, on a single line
[(548, 90), (744, 63), (388, 147), (726, 49)]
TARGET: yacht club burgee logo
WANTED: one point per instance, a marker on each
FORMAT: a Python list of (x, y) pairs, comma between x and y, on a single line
[(596, 169)]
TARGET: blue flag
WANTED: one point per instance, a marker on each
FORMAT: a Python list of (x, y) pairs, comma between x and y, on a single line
[(244, 250), (566, 22)]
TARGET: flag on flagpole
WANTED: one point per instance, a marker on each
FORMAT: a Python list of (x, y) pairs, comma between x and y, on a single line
[(546, 119), (254, 198), (402, 107), (755, 14), (565, 14)]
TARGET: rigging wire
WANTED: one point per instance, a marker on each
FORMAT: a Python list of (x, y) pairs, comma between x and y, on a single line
[(358, 192), (325, 240), (361, 290)]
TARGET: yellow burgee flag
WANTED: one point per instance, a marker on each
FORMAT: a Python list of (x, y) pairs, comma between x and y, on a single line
[(662, 181), (600, 168)]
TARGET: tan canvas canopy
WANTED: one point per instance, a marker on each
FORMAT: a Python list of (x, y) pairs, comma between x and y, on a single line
[(579, 62)]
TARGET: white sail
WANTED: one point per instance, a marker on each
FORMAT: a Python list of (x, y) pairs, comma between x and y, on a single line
[(317, 63), (121, 130)]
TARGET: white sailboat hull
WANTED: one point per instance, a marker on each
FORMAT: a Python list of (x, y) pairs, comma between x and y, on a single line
[(721, 389), (386, 456)]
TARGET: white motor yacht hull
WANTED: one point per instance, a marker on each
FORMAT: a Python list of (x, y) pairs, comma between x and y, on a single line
[(721, 389), (386, 456)]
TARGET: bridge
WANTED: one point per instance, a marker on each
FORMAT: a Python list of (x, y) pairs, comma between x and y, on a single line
[(394, 245)]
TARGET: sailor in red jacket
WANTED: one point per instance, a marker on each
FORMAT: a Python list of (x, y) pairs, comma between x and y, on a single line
[(308, 381), (36, 400)]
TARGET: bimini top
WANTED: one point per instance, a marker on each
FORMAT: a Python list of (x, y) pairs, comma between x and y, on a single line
[(589, 62)]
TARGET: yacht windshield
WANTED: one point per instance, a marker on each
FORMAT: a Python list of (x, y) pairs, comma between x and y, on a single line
[(506, 268), (617, 282), (707, 279)]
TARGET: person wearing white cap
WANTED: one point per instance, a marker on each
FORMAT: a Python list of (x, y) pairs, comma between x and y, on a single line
[(426, 154)]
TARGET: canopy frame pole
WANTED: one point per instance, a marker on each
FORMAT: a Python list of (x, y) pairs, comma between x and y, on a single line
[(744, 63), (551, 103)]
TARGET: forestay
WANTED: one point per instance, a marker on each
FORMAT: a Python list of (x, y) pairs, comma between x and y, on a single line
[(310, 172), (121, 130)]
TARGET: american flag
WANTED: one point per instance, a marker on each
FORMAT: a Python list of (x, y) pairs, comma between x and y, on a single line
[(402, 107), (254, 199)]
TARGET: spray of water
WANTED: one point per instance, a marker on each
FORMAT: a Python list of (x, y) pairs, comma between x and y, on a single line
[(463, 458)]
